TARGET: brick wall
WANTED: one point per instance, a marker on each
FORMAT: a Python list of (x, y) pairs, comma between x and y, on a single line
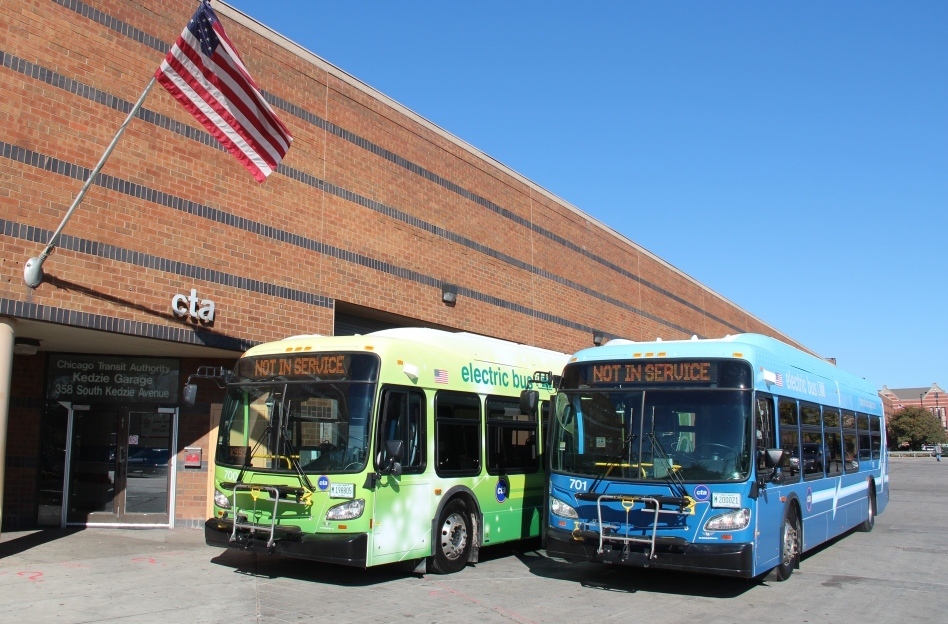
[(383, 206), (373, 206)]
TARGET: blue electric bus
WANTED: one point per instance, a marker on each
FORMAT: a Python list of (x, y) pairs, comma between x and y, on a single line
[(728, 456)]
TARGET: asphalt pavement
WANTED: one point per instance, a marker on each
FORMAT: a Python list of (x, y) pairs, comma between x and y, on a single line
[(898, 571)]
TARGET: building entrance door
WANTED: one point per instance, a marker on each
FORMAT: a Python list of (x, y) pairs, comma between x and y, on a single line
[(120, 468)]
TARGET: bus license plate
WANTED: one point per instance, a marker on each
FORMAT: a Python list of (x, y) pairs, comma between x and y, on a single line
[(342, 490), (723, 499)]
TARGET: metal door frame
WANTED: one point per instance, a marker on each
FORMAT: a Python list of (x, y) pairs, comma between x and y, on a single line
[(172, 471)]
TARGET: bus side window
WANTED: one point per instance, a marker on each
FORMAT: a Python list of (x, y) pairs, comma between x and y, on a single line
[(790, 440), (813, 457), (404, 419), (458, 433), (511, 437), (875, 436), (765, 430), (865, 447)]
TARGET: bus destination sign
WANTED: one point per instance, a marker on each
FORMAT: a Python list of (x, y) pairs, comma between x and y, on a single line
[(701, 372), (321, 365)]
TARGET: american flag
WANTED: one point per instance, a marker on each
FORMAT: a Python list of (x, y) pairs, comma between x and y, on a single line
[(441, 376), (779, 379), (205, 74)]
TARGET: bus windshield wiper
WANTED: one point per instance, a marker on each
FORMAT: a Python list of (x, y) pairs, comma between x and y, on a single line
[(612, 461), (252, 450), (675, 482), (291, 453)]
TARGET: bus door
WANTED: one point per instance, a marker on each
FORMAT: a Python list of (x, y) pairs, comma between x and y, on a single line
[(769, 508), (119, 465), (402, 510)]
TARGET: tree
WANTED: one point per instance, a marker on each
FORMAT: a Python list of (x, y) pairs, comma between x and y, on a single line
[(915, 426)]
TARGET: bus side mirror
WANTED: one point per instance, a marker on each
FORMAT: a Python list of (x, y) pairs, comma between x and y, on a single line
[(189, 395), (393, 448), (772, 459), (528, 401)]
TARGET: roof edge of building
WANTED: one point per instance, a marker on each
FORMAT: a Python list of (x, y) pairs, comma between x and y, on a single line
[(291, 46)]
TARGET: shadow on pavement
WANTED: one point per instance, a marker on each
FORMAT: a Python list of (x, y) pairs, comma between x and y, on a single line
[(632, 580), (604, 577), (276, 566), (33, 539)]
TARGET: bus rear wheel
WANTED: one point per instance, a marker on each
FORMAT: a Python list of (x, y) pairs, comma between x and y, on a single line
[(791, 535), (870, 520), (452, 545)]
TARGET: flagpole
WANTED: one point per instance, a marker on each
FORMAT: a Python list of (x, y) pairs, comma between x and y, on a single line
[(33, 269)]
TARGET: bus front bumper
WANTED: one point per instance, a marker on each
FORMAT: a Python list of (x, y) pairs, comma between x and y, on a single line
[(345, 548), (724, 559)]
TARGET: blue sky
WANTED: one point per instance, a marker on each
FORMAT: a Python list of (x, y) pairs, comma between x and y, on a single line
[(792, 156)]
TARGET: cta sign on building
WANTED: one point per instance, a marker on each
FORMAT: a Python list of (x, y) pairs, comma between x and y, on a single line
[(103, 379)]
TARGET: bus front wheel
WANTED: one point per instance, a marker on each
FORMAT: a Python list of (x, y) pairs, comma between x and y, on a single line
[(791, 539), (452, 545)]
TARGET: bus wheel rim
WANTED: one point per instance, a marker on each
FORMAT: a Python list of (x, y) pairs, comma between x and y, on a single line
[(789, 542), (453, 537)]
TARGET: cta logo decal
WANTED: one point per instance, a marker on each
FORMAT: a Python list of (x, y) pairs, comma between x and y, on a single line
[(323, 483), (501, 490), (809, 499), (702, 493)]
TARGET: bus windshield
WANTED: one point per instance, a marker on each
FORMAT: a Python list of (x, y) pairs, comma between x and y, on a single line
[(299, 413), (322, 426), (653, 434)]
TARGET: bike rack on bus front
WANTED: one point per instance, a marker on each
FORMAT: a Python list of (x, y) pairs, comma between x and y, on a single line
[(653, 504), (251, 526)]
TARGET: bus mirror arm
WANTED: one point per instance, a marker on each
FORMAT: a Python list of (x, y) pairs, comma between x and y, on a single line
[(219, 374), (393, 451)]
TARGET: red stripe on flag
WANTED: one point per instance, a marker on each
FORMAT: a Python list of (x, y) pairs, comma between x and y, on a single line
[(218, 91), (227, 107)]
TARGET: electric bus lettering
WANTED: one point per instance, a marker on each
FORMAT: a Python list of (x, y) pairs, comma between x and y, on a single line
[(498, 377)]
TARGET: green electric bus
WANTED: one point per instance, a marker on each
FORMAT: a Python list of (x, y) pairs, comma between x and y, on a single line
[(402, 445)]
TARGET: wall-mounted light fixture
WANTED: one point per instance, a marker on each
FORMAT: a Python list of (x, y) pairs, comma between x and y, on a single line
[(449, 294), (26, 346), (597, 338)]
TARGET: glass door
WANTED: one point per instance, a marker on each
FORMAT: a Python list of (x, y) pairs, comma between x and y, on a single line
[(92, 465), (120, 468), (52, 464), (148, 466)]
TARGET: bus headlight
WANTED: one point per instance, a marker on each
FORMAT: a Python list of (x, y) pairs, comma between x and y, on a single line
[(731, 521), (221, 500), (559, 508), (347, 511)]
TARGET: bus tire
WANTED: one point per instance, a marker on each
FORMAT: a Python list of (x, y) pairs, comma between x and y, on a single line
[(791, 539), (452, 544), (870, 520)]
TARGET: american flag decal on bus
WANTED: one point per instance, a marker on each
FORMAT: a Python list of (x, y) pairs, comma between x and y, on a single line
[(441, 376), (779, 379)]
